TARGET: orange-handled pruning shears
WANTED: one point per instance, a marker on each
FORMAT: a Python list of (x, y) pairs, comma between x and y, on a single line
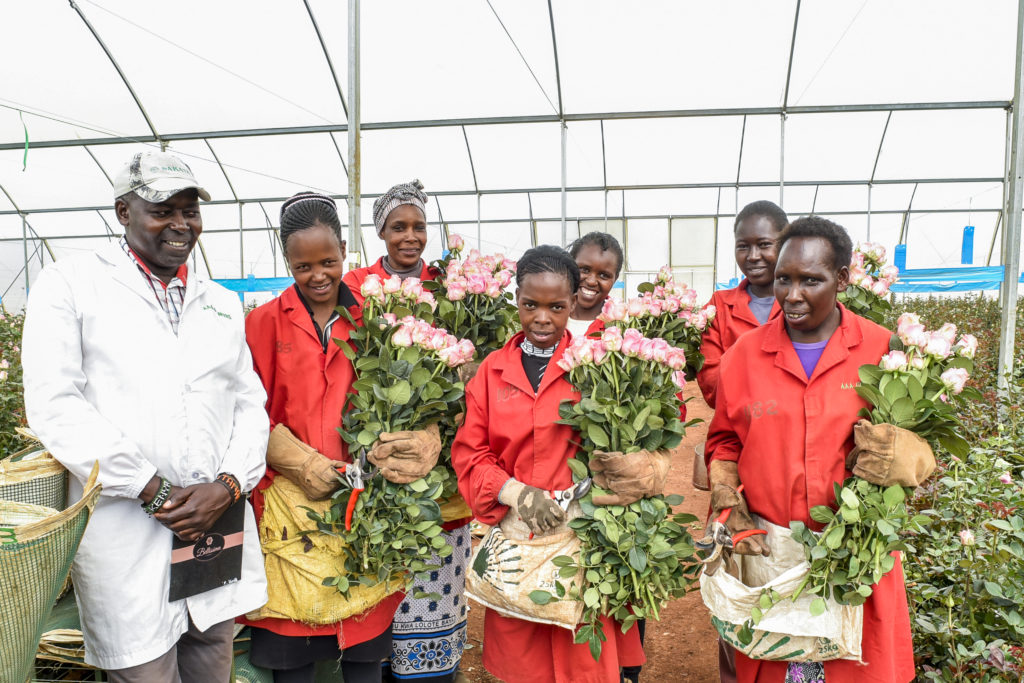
[(356, 475)]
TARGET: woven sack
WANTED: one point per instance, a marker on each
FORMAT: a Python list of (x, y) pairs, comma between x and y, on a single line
[(508, 565), (33, 476), (37, 545), (788, 631), (297, 559)]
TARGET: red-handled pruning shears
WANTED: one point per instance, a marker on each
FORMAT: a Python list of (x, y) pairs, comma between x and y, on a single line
[(719, 538), (355, 474)]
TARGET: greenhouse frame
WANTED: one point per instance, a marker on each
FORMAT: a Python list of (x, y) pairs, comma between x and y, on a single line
[(529, 122)]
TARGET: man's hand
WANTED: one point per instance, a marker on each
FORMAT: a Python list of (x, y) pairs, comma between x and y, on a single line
[(190, 512)]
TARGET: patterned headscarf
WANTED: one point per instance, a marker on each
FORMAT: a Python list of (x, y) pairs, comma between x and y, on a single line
[(403, 193)]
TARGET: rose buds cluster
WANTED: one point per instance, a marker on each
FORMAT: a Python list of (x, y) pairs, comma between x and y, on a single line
[(410, 290), (630, 343), (938, 344), (414, 332), (868, 272), (477, 274)]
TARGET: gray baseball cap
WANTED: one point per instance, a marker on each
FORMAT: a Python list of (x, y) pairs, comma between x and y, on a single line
[(156, 177)]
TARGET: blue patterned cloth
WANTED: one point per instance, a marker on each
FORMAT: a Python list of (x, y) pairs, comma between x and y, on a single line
[(428, 635), (805, 672)]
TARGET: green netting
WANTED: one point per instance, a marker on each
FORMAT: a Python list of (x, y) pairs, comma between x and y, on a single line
[(34, 477), (244, 671), (37, 545)]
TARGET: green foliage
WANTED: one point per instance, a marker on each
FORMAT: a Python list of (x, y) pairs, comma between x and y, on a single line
[(865, 304), (12, 399)]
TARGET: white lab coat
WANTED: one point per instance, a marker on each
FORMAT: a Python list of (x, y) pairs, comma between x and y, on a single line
[(106, 379)]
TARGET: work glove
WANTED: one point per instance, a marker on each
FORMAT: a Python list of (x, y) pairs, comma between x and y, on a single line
[(629, 476), (536, 508), (467, 371), (725, 479), (887, 455), (314, 473), (406, 456)]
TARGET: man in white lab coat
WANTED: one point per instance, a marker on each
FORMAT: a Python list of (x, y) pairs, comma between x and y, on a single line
[(133, 360)]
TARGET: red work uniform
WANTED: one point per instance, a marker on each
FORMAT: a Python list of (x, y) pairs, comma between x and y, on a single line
[(733, 317), (790, 436), (511, 431), (306, 389), (354, 278)]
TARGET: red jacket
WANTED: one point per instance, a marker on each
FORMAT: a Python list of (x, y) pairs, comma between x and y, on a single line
[(354, 278), (306, 390), (732, 319), (790, 436), (510, 431)]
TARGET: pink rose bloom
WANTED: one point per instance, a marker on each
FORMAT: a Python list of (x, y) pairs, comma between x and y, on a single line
[(509, 264), (472, 268), (948, 331), (612, 338), (880, 288), (454, 269), (450, 356), (426, 297), (411, 287), (913, 334), (477, 284), (679, 379), (372, 287), (664, 274), (564, 364), (613, 310), (671, 304), (858, 259), (660, 350), (402, 336), (967, 346), (699, 320), (635, 308), (646, 351), (676, 359), (438, 340), (938, 346), (421, 333), (457, 289), (687, 296), (504, 277), (710, 312), (654, 306), (392, 285), (908, 319), (967, 537), (891, 273), (598, 351), (466, 350), (894, 360), (919, 362), (631, 340), (955, 379), (584, 352), (493, 289), (455, 242), (878, 252), (857, 273), (1006, 478)]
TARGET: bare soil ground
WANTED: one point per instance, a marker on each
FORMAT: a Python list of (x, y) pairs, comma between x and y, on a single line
[(682, 646)]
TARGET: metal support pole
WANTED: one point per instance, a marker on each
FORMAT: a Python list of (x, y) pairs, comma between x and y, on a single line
[(782, 157), (565, 131), (355, 232), (479, 236), (241, 243), (1011, 227), (24, 248), (869, 212)]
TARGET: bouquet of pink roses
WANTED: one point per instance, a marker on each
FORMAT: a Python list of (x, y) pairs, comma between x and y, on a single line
[(407, 379), (637, 556), (667, 310), (870, 279), (472, 299)]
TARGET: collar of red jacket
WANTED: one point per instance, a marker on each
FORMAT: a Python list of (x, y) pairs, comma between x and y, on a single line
[(740, 295), (509, 363)]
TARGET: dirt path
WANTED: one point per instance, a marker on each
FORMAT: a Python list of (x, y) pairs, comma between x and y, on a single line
[(682, 646)]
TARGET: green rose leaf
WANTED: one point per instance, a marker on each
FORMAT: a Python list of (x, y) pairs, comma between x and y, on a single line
[(540, 597)]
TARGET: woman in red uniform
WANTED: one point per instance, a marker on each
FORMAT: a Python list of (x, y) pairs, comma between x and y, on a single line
[(510, 449), (783, 425), (599, 257), (428, 634), (307, 379), (400, 218), (751, 303)]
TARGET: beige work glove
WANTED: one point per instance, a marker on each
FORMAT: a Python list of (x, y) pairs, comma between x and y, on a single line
[(311, 471), (535, 507), (467, 371), (887, 455), (406, 456), (725, 479), (629, 476)]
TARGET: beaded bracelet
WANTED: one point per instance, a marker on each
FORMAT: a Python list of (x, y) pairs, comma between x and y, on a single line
[(229, 482), (162, 494)]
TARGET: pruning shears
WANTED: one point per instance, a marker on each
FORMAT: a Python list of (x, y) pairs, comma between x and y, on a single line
[(356, 474), (719, 537), (566, 496)]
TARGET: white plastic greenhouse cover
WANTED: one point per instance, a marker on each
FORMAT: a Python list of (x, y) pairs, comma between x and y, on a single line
[(675, 115)]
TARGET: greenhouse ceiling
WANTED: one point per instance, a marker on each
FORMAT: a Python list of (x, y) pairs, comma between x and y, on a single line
[(890, 116)]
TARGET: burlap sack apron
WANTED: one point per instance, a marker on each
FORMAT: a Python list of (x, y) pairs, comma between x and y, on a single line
[(298, 558), (508, 565)]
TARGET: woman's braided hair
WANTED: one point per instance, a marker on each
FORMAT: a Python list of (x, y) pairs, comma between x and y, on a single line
[(548, 259), (304, 210)]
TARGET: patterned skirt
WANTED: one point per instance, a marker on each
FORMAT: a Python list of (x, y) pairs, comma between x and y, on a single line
[(805, 672), (428, 635)]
